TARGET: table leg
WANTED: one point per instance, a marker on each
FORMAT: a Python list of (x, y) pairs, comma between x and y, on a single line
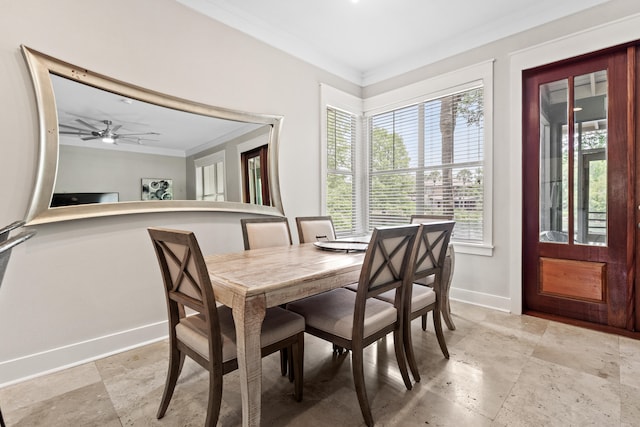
[(248, 317), (447, 276)]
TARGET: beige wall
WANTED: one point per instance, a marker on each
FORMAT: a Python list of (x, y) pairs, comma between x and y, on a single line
[(82, 169), (86, 288)]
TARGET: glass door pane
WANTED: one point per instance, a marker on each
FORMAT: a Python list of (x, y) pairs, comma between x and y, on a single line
[(590, 158), (554, 162), (255, 181)]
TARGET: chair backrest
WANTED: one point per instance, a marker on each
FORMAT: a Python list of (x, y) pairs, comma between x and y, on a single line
[(186, 282), (431, 248), (4, 231), (425, 219), (385, 266), (265, 232), (6, 245), (315, 228)]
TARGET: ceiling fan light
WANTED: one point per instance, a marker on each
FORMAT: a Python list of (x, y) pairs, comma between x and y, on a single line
[(108, 140)]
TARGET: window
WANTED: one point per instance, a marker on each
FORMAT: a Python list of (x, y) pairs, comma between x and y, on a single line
[(425, 148), (340, 177), (210, 182), (427, 158)]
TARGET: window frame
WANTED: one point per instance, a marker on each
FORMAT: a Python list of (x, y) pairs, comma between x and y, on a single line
[(446, 84), (339, 100)]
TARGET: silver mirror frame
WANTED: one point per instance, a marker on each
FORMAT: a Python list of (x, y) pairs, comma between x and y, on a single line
[(41, 66)]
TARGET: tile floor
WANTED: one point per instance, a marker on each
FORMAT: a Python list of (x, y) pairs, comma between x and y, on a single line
[(504, 370)]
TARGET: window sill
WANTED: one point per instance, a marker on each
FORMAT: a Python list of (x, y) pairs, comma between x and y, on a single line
[(481, 249)]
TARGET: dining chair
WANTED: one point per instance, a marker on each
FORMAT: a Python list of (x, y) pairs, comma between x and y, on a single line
[(354, 320), (447, 271), (6, 245), (315, 228), (430, 252), (208, 336), (265, 232)]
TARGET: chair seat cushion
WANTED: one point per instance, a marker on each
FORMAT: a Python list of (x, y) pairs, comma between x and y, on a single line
[(333, 312), (278, 324), (421, 297)]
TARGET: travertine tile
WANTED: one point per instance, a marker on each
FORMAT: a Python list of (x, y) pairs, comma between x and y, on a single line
[(504, 371), (630, 403), (470, 384), (584, 350), (630, 363), (48, 386), (553, 395), (87, 406)]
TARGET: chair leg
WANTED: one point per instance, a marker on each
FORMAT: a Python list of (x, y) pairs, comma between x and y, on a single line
[(297, 357), (176, 361), (291, 362), (357, 360), (215, 399), (408, 348), (447, 273), (1, 420), (437, 323), (284, 357), (446, 314), (398, 343)]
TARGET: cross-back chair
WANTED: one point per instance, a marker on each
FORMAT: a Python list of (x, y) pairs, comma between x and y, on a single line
[(447, 271), (354, 320), (208, 336), (430, 251), (315, 228), (6, 245)]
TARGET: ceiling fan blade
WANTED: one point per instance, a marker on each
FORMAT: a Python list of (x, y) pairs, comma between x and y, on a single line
[(139, 134), (89, 125), (77, 133), (115, 128), (72, 127), (89, 138)]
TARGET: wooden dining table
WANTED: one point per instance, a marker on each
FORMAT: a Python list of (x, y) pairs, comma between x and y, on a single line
[(251, 281)]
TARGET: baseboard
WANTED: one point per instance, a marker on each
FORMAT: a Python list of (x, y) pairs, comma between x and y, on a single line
[(481, 299), (46, 362)]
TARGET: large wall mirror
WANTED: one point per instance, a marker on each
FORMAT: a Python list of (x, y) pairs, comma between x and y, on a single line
[(111, 148)]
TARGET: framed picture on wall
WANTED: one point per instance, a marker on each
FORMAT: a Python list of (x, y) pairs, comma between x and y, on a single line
[(157, 189)]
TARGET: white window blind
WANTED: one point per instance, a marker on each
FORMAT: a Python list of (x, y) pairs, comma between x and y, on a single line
[(428, 158), (341, 189), (210, 177)]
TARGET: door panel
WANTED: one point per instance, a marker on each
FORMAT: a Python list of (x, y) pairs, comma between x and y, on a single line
[(577, 186)]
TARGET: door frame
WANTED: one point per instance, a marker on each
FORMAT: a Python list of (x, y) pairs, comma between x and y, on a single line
[(581, 42), (617, 305)]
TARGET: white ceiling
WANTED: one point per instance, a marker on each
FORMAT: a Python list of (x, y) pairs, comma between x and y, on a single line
[(366, 41), (143, 127)]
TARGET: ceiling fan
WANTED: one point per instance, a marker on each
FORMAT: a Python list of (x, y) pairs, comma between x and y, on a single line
[(107, 135)]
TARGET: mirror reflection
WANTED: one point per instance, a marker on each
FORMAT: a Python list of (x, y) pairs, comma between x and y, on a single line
[(110, 143), (112, 148)]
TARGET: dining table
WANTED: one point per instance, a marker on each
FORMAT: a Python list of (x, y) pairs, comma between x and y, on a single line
[(251, 281)]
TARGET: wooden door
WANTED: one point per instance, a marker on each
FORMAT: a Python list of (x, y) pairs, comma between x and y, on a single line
[(255, 176), (579, 189)]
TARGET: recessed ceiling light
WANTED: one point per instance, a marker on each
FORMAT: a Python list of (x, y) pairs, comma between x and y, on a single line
[(127, 100)]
